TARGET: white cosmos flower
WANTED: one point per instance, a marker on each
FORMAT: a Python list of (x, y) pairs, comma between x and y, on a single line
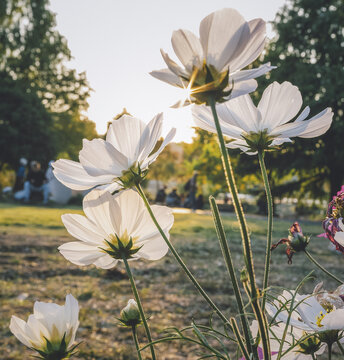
[(309, 315), (129, 145), (227, 44), (268, 124), (293, 335), (49, 322), (108, 216)]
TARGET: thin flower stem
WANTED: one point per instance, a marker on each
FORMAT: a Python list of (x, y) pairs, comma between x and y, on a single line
[(313, 357), (179, 259), (239, 340), (311, 258), (270, 221), (329, 351), (136, 341), (340, 347), (262, 322), (139, 305), (231, 270)]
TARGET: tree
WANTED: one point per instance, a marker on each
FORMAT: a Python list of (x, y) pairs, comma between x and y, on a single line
[(25, 125), (34, 52), (309, 52)]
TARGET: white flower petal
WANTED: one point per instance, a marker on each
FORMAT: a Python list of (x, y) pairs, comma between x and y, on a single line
[(240, 112), (111, 188), (173, 66), (252, 73), (74, 176), (279, 104), (129, 135), (99, 157), (169, 137), (132, 210), (313, 127), (17, 327), (146, 227), (252, 48), (203, 118), (223, 33), (80, 253), (83, 229), (169, 77), (304, 114), (240, 144), (334, 320), (243, 87), (188, 48), (153, 249), (155, 127), (99, 207), (105, 262)]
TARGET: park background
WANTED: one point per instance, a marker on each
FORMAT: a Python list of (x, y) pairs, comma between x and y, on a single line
[(48, 104)]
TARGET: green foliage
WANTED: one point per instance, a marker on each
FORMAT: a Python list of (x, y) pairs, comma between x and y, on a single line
[(309, 52), (34, 53), (25, 124), (166, 166), (203, 155)]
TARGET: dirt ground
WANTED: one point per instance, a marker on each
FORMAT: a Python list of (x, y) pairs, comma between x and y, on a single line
[(32, 269)]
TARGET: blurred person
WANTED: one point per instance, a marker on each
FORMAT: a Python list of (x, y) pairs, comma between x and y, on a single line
[(20, 175), (161, 195), (199, 202), (191, 186), (173, 198), (36, 182)]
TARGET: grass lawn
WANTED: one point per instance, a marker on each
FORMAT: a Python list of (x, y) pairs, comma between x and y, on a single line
[(32, 269)]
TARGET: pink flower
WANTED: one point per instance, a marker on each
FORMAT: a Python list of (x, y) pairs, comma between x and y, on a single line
[(333, 221)]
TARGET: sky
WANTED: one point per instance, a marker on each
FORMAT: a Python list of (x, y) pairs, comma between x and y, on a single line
[(118, 43)]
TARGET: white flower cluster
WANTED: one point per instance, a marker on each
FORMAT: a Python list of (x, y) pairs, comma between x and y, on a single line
[(122, 226)]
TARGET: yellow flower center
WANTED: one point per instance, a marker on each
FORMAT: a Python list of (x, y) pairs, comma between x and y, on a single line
[(321, 316)]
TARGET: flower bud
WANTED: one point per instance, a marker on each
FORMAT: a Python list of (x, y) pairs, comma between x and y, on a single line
[(243, 275), (130, 315), (295, 242), (310, 346)]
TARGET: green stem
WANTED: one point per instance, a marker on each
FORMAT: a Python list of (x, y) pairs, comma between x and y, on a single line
[(133, 329), (340, 347), (239, 340), (329, 351), (230, 268), (139, 305), (313, 356), (270, 220), (179, 259), (311, 258), (244, 234)]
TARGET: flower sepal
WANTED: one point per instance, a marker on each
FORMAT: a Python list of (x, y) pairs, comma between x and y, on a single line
[(56, 351), (310, 345), (132, 177), (121, 250), (329, 337), (208, 82), (259, 141)]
